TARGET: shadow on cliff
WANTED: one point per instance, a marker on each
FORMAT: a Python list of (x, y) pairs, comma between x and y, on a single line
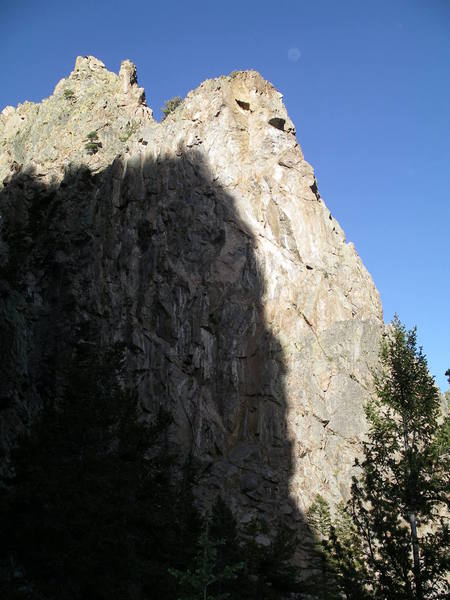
[(152, 253)]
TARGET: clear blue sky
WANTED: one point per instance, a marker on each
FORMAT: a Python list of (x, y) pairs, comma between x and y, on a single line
[(367, 84)]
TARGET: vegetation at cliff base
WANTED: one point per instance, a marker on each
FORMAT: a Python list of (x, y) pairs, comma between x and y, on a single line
[(93, 509), (392, 539), (98, 505), (233, 564), (87, 505)]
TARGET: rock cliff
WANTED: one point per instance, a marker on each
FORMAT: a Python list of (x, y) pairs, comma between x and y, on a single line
[(202, 242)]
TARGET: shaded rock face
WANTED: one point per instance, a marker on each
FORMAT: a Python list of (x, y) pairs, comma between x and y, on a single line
[(203, 244)]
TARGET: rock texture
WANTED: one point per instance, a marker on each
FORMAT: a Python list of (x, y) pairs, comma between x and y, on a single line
[(203, 243)]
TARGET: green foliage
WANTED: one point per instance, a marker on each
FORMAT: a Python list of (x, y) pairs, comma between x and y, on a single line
[(269, 572), (231, 565), (340, 560), (171, 105), (129, 130), (64, 473), (69, 95), (323, 581), (92, 512), (207, 571), (92, 136), (393, 536), (92, 145)]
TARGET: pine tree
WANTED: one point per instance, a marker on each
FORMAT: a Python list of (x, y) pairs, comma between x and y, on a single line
[(400, 503), (66, 509), (235, 565), (92, 511), (204, 579), (269, 568), (223, 530), (338, 556), (391, 541)]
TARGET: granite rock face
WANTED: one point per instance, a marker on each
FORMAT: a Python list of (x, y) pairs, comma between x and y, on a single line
[(201, 242)]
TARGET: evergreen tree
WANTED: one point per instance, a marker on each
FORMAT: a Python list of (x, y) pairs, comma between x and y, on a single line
[(171, 105), (338, 556), (203, 580), (64, 520), (268, 570), (223, 530), (392, 540), (400, 503), (235, 565), (92, 511)]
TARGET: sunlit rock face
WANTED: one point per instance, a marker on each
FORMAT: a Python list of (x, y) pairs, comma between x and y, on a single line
[(202, 242)]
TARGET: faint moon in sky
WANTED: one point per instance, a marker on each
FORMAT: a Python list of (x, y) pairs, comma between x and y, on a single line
[(294, 54)]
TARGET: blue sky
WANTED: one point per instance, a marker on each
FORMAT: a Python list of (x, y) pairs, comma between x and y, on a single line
[(366, 83)]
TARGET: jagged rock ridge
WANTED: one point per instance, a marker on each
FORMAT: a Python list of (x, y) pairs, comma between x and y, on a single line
[(203, 243)]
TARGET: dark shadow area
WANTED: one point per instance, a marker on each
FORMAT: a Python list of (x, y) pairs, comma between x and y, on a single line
[(151, 255)]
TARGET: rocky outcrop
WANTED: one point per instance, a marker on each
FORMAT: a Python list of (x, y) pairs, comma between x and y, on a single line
[(53, 134), (204, 244)]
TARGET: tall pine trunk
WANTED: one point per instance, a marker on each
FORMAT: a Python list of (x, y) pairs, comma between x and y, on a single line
[(416, 558)]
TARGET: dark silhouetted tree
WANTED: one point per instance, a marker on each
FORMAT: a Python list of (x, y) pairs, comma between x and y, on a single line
[(338, 556), (92, 511)]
